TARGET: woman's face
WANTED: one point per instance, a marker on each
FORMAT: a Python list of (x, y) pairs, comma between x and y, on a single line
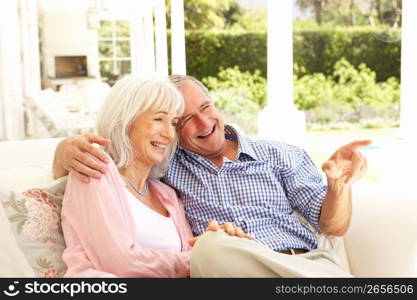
[(152, 133)]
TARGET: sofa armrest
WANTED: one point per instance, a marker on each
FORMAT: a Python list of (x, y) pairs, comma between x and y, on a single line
[(28, 153), (382, 239), (26, 163)]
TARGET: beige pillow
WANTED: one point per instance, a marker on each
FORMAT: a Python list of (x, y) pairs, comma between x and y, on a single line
[(34, 216)]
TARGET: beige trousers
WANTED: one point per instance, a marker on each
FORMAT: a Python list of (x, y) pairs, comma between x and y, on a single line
[(217, 254)]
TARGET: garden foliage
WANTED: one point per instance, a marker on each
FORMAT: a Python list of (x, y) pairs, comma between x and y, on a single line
[(348, 96), (316, 50)]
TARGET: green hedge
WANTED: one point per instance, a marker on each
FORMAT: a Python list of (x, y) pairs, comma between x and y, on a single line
[(208, 52), (315, 50)]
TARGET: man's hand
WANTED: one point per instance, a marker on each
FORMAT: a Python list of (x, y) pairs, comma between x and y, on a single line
[(71, 156), (344, 167), (347, 164), (227, 227)]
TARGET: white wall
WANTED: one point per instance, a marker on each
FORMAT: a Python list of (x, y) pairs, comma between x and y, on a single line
[(11, 117), (66, 33), (29, 43)]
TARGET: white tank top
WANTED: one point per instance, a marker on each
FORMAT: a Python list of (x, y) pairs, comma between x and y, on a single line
[(153, 230)]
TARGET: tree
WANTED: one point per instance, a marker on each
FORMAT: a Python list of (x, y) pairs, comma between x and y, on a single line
[(317, 5), (354, 12), (388, 12), (252, 19), (209, 14), (232, 14)]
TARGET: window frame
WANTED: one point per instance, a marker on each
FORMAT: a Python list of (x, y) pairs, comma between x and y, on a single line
[(114, 39)]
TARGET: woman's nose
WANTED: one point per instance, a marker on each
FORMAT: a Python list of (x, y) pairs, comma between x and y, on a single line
[(169, 132)]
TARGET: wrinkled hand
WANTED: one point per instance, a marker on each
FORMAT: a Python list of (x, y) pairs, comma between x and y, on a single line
[(347, 164), (227, 227), (72, 156)]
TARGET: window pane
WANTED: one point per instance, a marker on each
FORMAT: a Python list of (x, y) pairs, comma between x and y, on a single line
[(106, 68), (105, 29), (123, 49), (124, 67), (122, 28), (105, 48)]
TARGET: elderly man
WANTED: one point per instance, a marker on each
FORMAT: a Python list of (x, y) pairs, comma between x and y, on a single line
[(257, 185)]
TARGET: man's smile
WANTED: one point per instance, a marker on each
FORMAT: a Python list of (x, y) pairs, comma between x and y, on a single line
[(208, 133)]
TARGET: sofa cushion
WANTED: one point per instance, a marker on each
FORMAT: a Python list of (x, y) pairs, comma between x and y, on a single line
[(382, 238), (34, 216), (55, 117), (12, 260)]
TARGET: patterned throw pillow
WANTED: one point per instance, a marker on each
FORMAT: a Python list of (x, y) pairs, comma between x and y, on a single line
[(35, 220)]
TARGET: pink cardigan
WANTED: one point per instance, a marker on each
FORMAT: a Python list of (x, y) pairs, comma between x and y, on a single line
[(100, 233)]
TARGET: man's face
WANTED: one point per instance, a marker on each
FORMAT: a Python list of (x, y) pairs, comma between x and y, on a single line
[(201, 128)]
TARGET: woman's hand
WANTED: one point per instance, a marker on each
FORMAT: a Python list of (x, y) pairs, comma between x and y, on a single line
[(227, 227)]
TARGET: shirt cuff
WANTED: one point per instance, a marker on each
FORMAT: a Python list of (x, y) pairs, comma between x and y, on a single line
[(315, 208)]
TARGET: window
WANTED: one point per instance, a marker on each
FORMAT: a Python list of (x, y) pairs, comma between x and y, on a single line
[(114, 49)]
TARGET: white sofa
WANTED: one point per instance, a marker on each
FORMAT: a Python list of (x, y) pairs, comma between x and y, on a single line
[(381, 242)]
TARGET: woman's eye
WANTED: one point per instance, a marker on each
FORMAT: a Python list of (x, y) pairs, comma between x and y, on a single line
[(158, 119), (174, 124)]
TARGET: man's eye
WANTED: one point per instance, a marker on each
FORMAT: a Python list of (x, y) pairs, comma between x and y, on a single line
[(174, 124), (158, 119), (186, 120), (205, 107)]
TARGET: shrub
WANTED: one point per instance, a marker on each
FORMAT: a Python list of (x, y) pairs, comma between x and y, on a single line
[(239, 96), (251, 86), (237, 108), (349, 95)]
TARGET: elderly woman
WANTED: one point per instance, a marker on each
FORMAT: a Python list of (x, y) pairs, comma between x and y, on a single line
[(128, 223)]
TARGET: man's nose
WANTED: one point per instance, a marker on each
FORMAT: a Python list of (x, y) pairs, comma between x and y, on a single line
[(202, 120)]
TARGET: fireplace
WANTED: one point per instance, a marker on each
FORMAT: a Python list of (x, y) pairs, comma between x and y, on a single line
[(70, 66)]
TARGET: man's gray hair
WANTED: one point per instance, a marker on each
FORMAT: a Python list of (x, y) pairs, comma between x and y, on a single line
[(180, 80), (128, 98)]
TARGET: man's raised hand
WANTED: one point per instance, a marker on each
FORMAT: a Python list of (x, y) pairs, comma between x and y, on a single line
[(347, 163)]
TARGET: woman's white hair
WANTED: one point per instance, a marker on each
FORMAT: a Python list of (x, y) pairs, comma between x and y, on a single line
[(128, 98)]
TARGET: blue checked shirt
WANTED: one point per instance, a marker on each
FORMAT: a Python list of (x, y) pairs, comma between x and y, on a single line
[(258, 192)]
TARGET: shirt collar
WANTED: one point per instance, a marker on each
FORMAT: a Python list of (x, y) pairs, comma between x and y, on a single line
[(244, 146), (231, 133)]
